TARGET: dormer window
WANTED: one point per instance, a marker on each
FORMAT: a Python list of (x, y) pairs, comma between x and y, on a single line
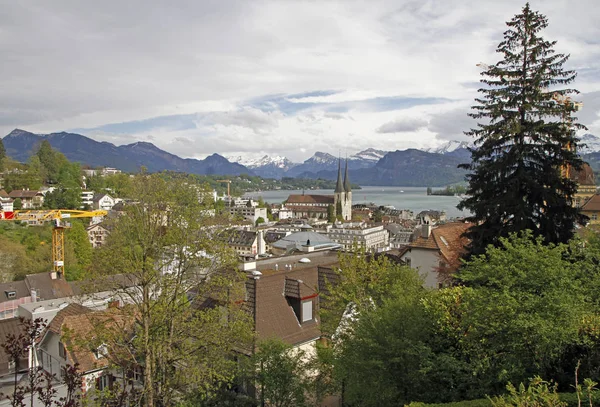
[(11, 294), (101, 351), (307, 311)]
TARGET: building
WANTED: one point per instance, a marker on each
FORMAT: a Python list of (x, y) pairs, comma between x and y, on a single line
[(433, 216), (246, 243), (436, 252), (249, 212), (103, 201), (591, 209), (29, 199), (6, 202), (67, 341), (359, 234), (284, 301), (306, 241), (343, 194), (315, 206), (87, 199), (97, 234), (7, 366), (586, 185)]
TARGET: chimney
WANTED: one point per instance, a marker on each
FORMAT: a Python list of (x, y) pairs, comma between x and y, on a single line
[(425, 230)]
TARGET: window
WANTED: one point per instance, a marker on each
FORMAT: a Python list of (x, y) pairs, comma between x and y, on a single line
[(11, 294), (62, 352), (307, 311), (104, 382), (594, 216)]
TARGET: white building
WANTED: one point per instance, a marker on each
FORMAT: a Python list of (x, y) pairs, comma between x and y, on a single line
[(249, 213), (103, 201), (368, 237), (87, 199)]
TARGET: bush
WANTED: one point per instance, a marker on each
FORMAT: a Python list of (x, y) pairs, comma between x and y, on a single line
[(569, 398)]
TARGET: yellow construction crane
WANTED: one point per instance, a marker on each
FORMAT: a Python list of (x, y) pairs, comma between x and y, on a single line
[(228, 181), (57, 217)]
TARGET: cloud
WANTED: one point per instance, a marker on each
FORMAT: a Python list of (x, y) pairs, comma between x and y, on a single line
[(280, 77), (403, 126)]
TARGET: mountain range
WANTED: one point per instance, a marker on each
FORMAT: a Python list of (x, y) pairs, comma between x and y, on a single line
[(412, 167)]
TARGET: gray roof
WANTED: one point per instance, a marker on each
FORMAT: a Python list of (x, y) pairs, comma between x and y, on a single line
[(19, 287), (299, 239), (242, 237)]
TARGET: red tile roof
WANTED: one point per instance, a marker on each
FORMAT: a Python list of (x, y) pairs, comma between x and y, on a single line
[(592, 204), (310, 199), (447, 239)]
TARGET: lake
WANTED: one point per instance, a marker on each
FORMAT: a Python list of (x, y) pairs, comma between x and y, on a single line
[(413, 198)]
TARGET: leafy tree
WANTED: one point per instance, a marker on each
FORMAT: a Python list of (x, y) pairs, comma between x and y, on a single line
[(524, 308), (537, 393), (524, 141), (63, 198), (338, 211), (165, 244), (260, 220), (281, 374), (330, 214), (17, 204)]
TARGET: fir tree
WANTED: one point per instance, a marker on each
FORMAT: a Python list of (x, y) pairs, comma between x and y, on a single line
[(525, 141)]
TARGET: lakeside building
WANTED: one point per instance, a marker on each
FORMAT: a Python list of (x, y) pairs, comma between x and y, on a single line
[(359, 234), (315, 206)]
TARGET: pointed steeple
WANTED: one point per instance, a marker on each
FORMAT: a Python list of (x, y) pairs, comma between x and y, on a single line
[(346, 178), (338, 186)]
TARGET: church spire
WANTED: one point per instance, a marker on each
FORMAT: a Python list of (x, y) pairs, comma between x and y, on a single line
[(338, 186), (346, 178)]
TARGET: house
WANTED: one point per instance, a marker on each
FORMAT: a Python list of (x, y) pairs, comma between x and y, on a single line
[(591, 209), (34, 288), (437, 251), (97, 234), (29, 199), (246, 243), (433, 216), (6, 202), (284, 302), (103, 201), (71, 339)]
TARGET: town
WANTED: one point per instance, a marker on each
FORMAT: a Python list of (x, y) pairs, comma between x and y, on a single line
[(156, 272)]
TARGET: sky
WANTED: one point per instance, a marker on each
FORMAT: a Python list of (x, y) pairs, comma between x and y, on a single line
[(278, 77)]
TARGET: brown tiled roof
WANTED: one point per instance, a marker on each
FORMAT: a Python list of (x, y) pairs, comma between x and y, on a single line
[(3, 194), (308, 208), (9, 326), (20, 193), (447, 239), (585, 176), (274, 317), (20, 288), (310, 199), (70, 310), (48, 288), (592, 204), (79, 331)]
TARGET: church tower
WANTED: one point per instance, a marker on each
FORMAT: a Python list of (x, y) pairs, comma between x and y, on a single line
[(338, 194), (347, 204)]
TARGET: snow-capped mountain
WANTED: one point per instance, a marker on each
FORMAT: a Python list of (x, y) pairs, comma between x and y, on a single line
[(589, 144), (448, 147), (370, 154), (276, 161)]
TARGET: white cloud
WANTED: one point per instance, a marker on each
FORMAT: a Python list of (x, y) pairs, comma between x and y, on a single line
[(84, 65)]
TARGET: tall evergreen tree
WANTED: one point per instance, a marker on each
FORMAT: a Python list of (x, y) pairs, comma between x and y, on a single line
[(525, 141)]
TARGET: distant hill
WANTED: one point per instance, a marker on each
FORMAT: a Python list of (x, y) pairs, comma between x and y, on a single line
[(20, 145)]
